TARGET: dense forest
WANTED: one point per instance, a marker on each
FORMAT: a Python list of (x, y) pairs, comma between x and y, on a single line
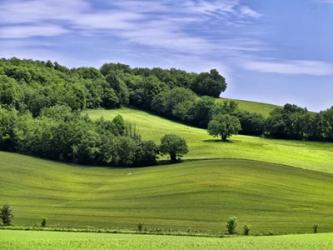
[(41, 104)]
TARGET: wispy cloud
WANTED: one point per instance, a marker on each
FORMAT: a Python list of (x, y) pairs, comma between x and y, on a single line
[(159, 24), (25, 31), (291, 67)]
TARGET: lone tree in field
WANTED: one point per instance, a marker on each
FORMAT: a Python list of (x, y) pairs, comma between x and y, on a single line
[(174, 146), (6, 215), (232, 225), (224, 126)]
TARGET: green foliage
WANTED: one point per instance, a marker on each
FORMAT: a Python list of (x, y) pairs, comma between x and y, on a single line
[(246, 230), (140, 227), (8, 119), (224, 126), (43, 223), (315, 228), (119, 125), (173, 145), (6, 215), (251, 123), (225, 108), (231, 225), (211, 84), (60, 134)]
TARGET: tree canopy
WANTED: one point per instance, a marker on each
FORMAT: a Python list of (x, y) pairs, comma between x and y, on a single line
[(174, 146), (224, 126)]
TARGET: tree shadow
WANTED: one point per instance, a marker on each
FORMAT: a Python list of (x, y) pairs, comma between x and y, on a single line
[(218, 141)]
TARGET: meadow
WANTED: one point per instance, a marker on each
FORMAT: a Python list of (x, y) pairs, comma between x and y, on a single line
[(273, 186), (250, 106), (30, 240), (308, 155), (193, 196)]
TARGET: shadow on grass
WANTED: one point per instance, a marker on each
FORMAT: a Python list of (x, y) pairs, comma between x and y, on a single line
[(218, 141)]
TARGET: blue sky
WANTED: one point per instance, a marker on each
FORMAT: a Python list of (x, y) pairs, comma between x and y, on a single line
[(269, 50)]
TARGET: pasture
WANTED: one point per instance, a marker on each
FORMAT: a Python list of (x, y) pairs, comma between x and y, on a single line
[(309, 155), (193, 196)]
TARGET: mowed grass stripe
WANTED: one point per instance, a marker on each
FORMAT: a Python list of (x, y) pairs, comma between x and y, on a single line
[(309, 155), (27, 240), (199, 195)]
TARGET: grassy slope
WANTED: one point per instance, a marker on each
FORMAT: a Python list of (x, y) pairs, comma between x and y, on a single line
[(200, 195), (257, 107), (53, 240), (308, 155)]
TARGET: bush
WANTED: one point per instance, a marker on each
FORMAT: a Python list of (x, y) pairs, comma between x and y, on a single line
[(43, 223), (140, 227), (232, 225), (315, 228), (246, 230), (6, 215)]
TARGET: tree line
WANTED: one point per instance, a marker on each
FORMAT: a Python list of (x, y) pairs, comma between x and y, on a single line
[(58, 133), (187, 97), (287, 122)]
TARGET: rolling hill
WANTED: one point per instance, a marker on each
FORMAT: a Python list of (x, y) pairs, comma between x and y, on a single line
[(194, 195), (271, 185), (308, 155), (255, 107)]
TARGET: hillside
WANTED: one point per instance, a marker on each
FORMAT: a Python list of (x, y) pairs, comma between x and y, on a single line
[(43, 240), (194, 195), (250, 106), (308, 155)]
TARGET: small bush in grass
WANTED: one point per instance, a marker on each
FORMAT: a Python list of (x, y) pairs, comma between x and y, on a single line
[(232, 225), (315, 228), (6, 215), (43, 223), (140, 227), (246, 230)]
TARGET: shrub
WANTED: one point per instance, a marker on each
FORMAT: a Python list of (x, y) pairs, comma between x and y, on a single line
[(315, 228), (140, 227), (232, 225), (6, 215), (246, 230), (43, 223)]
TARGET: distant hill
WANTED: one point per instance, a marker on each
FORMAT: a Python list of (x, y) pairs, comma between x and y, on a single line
[(251, 106)]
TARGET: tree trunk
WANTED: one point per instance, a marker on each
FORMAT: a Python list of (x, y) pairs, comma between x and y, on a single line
[(173, 157)]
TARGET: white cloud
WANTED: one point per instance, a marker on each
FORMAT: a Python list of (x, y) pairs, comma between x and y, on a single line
[(158, 24), (247, 11), (24, 31), (291, 67)]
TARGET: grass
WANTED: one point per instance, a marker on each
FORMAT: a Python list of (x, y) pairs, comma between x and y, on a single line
[(273, 186), (256, 107), (55, 240), (194, 196), (308, 155)]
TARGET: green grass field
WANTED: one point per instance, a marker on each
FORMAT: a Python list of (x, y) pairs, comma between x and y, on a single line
[(308, 155), (257, 107), (274, 186), (54, 240), (195, 195)]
